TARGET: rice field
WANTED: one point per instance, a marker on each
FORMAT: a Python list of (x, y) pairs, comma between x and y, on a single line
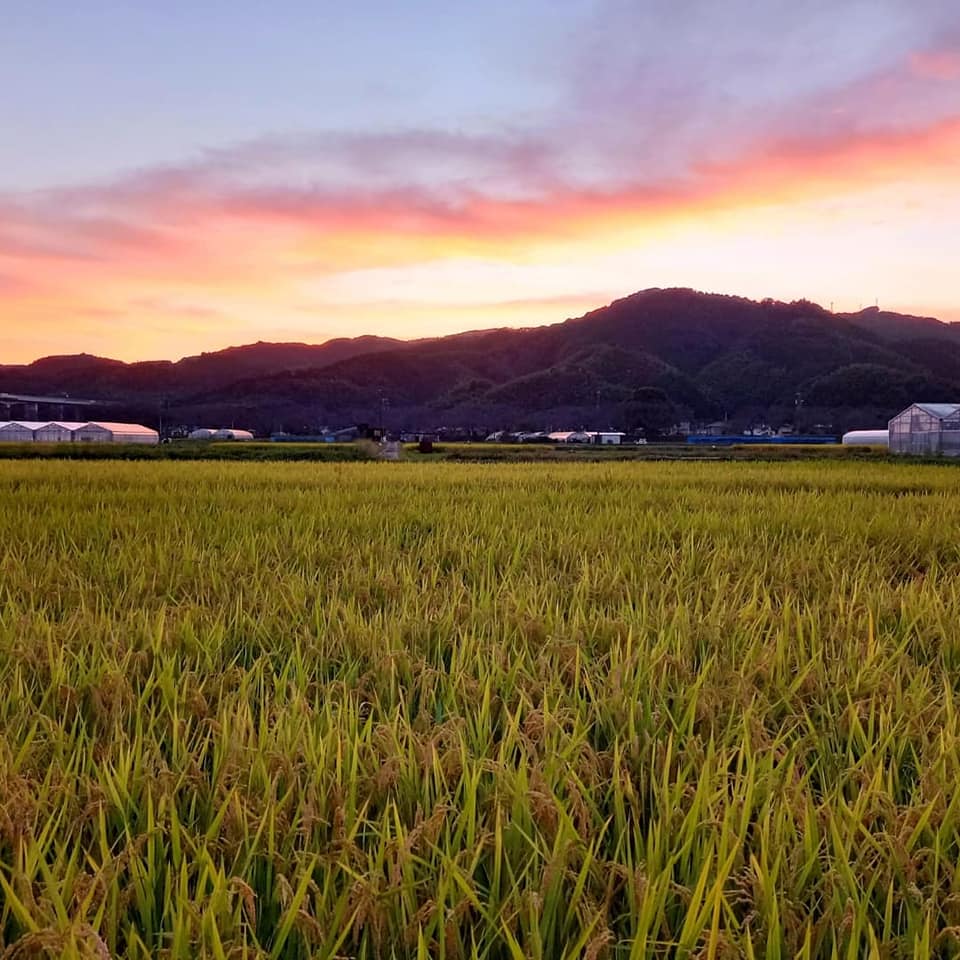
[(447, 710)]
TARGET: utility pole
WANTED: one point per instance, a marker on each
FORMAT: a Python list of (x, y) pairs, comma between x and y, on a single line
[(383, 404)]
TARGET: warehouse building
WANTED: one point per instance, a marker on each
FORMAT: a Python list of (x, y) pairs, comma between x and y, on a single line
[(927, 429), (62, 431), (605, 437)]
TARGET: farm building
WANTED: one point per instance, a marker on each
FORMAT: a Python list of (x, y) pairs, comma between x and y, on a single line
[(19, 431), (926, 429), (577, 436), (872, 438), (203, 433)]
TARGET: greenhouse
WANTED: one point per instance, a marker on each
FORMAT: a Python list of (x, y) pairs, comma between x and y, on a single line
[(100, 432), (19, 431), (224, 433), (872, 438), (57, 431), (927, 429), (61, 431)]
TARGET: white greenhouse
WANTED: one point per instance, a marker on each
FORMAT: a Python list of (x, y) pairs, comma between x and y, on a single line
[(57, 431), (870, 438), (231, 434), (101, 432), (62, 431), (19, 431), (203, 433), (925, 429)]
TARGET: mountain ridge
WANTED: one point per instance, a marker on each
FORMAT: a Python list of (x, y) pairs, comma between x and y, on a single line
[(702, 355)]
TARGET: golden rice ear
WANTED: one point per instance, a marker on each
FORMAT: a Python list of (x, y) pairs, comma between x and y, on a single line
[(37, 943)]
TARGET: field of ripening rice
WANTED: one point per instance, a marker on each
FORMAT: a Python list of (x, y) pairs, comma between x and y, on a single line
[(444, 710)]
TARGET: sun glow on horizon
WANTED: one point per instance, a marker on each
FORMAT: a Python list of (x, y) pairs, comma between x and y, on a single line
[(425, 233)]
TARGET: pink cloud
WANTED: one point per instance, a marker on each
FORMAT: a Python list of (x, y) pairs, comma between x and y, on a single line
[(201, 216), (937, 64)]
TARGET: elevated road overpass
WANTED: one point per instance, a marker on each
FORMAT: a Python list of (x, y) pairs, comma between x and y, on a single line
[(25, 406)]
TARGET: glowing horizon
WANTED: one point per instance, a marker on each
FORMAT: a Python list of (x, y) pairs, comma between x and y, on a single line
[(750, 171)]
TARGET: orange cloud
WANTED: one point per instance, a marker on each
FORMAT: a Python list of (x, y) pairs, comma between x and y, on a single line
[(181, 251), (478, 223), (156, 220)]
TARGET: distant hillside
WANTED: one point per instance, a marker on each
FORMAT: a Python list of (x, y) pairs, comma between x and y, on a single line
[(113, 379), (644, 361), (895, 327)]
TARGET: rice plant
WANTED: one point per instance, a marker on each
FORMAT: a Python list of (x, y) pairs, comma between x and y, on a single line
[(448, 710)]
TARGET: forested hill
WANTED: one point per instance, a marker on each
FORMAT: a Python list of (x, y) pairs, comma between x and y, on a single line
[(647, 360)]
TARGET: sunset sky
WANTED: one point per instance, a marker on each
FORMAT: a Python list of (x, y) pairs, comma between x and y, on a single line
[(180, 176)]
